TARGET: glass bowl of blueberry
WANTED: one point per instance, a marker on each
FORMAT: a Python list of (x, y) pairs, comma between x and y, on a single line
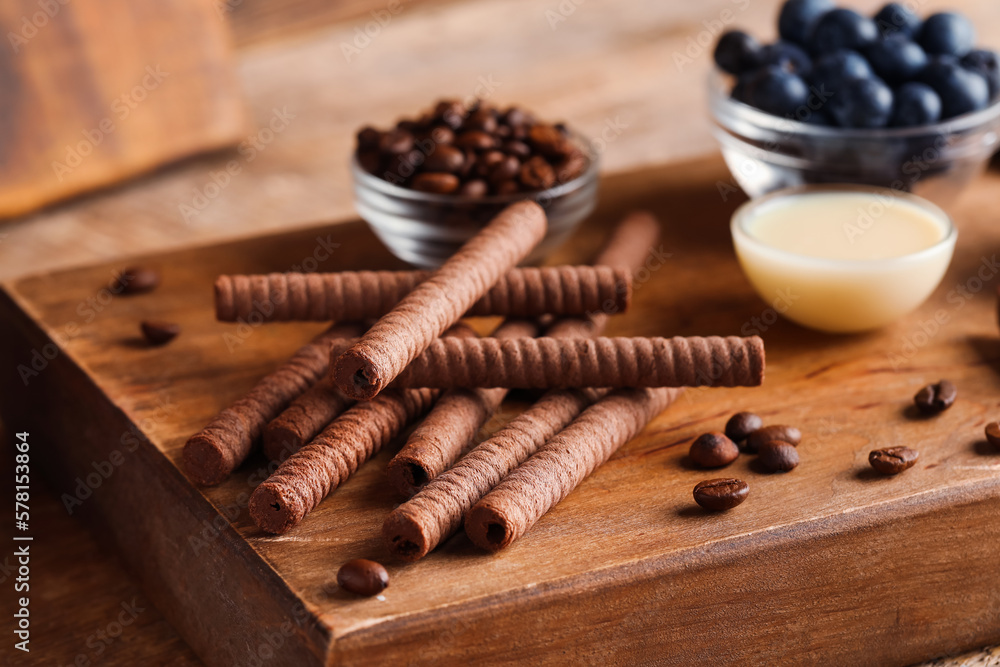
[(892, 100)]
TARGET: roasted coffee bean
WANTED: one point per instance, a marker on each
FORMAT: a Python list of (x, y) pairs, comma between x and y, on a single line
[(935, 398), (407, 125), (482, 119), (713, 450), (506, 188), (396, 142), (549, 141), (778, 456), (364, 577), (570, 167), (436, 182), (442, 134), (993, 434), (445, 158), (476, 140), (893, 460), (138, 280), (400, 168), (516, 148), (158, 332), (474, 188), (721, 494), (502, 132), (789, 434), (368, 137), (486, 162), (741, 425), (514, 117), (537, 174), (370, 160), (504, 170)]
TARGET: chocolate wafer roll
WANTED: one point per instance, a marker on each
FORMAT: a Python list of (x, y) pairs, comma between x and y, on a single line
[(416, 527), (310, 474), (304, 419), (360, 295), (537, 485), (435, 304), (450, 427), (556, 363), (214, 452)]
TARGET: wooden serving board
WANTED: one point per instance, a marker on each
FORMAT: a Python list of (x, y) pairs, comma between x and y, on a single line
[(826, 564)]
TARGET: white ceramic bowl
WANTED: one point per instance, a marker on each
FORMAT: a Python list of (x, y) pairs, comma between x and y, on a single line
[(840, 295)]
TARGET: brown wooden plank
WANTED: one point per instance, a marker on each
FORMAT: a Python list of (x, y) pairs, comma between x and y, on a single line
[(101, 90), (825, 561)]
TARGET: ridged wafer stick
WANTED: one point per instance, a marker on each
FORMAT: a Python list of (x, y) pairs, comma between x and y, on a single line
[(214, 452), (416, 527), (435, 304), (359, 295), (557, 363), (304, 419), (310, 474), (450, 427), (537, 485)]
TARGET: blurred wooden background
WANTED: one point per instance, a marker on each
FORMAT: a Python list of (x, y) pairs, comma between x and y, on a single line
[(634, 71)]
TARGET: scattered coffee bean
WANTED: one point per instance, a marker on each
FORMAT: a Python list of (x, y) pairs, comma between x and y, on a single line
[(721, 494), (741, 425), (138, 280), (936, 398), (789, 434), (510, 151), (778, 456), (993, 434), (158, 332), (893, 460), (713, 450), (364, 577)]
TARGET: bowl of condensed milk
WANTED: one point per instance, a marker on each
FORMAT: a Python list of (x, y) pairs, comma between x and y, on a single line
[(843, 258)]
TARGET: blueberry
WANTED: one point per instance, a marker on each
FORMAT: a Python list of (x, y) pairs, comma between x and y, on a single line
[(839, 65), (985, 63), (895, 19), (843, 29), (896, 59), (915, 104), (947, 33), (737, 52), (861, 103), (787, 56), (797, 18), (961, 90), (776, 91)]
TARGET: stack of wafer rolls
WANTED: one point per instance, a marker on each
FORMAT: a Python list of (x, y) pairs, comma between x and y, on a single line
[(354, 389)]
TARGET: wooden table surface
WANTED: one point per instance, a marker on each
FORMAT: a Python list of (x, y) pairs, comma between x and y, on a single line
[(603, 64)]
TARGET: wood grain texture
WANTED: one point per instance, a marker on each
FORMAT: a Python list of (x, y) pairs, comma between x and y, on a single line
[(825, 564), (101, 90), (608, 60)]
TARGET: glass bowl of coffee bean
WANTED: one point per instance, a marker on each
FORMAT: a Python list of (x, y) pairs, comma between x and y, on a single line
[(890, 100), (428, 184)]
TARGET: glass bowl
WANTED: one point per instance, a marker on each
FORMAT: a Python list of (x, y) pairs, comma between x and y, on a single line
[(766, 153), (842, 295), (425, 229)]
